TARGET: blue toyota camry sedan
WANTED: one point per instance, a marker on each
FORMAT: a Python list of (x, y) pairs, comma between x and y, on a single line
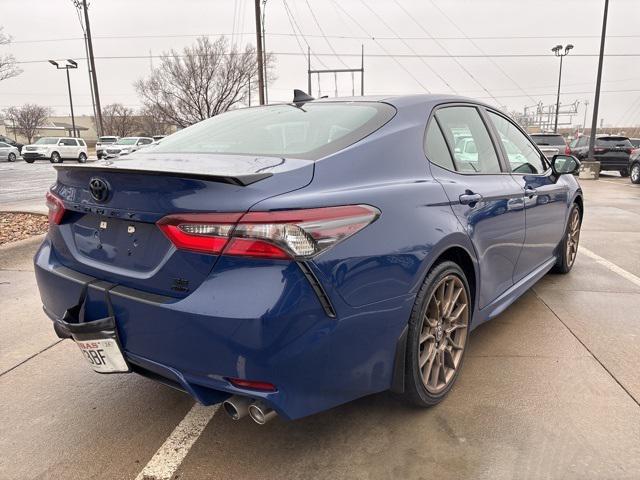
[(289, 258)]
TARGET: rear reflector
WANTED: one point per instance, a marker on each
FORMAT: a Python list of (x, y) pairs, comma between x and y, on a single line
[(287, 234), (56, 208), (252, 385)]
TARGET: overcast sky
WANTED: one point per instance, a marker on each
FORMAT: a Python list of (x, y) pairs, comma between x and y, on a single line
[(44, 29)]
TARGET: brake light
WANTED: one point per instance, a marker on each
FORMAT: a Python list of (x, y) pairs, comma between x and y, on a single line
[(567, 150), (56, 208), (599, 149), (288, 234)]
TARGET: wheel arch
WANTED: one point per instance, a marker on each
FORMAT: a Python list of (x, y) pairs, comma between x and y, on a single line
[(460, 254)]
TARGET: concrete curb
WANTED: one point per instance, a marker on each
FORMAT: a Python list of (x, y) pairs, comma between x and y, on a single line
[(25, 243)]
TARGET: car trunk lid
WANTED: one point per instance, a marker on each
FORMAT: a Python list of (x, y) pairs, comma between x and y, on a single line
[(109, 228)]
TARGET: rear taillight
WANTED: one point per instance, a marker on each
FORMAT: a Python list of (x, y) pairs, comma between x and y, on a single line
[(567, 150), (599, 149), (252, 384), (288, 234), (56, 208)]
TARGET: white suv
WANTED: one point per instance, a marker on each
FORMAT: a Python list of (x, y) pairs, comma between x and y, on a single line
[(56, 149), (126, 145)]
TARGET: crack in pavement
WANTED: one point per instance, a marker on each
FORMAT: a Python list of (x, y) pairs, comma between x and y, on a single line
[(30, 357)]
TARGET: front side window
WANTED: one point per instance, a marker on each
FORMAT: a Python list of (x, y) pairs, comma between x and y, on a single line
[(3, 145), (69, 142), (521, 153), (468, 139), (311, 131)]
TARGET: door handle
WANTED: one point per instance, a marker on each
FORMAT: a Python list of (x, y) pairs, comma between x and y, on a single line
[(530, 191), (470, 198)]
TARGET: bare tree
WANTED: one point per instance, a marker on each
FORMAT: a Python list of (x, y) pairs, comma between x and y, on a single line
[(27, 119), (119, 120), (8, 66), (152, 123), (204, 80)]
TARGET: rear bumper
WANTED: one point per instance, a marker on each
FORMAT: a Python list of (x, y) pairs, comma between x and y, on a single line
[(613, 163), (263, 322)]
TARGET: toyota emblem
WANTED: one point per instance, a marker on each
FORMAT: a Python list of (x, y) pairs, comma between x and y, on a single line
[(99, 189)]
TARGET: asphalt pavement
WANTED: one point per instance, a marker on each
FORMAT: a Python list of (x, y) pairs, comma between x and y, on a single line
[(550, 389)]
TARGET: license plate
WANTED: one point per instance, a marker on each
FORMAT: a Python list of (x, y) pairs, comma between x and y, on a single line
[(103, 355)]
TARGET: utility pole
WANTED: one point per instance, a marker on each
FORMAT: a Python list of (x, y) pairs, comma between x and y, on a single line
[(259, 54), (557, 50), (586, 109), (93, 97), (596, 100), (264, 53), (93, 68)]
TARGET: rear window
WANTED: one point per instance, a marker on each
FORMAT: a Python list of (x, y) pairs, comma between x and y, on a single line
[(548, 139), (635, 142), (311, 131), (613, 142)]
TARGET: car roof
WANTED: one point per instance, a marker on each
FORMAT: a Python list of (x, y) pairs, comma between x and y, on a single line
[(407, 100)]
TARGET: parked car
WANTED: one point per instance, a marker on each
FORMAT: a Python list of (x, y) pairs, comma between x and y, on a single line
[(127, 145), (634, 166), (612, 151), (289, 258), (56, 149), (8, 152), (102, 144), (551, 144), (11, 142)]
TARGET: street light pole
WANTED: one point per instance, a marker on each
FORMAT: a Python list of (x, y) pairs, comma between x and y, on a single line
[(70, 65), (557, 50)]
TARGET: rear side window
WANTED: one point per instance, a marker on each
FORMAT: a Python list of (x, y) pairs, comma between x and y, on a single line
[(436, 147), (310, 131), (468, 139), (69, 142), (81, 142)]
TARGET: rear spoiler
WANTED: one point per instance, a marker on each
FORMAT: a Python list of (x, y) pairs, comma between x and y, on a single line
[(241, 180)]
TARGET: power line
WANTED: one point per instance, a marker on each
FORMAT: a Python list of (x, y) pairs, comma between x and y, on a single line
[(294, 25), (478, 48), (393, 57), (387, 54), (315, 19), (334, 36), (431, 69)]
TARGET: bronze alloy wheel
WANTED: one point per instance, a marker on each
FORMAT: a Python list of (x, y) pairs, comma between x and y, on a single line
[(573, 237), (443, 335)]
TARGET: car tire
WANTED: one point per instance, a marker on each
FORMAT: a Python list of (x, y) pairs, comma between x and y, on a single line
[(438, 334), (82, 158), (568, 247), (635, 173), (55, 158), (29, 160), (624, 172), (11, 157)]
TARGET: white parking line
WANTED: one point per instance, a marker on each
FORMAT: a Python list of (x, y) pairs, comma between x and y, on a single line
[(611, 266), (170, 455)]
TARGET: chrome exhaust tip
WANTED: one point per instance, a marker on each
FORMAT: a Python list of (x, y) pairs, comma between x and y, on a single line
[(260, 413), (237, 406)]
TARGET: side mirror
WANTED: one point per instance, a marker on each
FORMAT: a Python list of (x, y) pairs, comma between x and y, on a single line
[(564, 164)]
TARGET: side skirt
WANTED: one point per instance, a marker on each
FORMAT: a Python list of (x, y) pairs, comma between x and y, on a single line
[(501, 303)]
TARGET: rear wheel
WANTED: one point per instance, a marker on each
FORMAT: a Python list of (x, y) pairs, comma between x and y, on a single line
[(29, 160), (12, 157), (635, 173), (568, 248), (82, 158), (438, 332), (624, 172), (55, 158)]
